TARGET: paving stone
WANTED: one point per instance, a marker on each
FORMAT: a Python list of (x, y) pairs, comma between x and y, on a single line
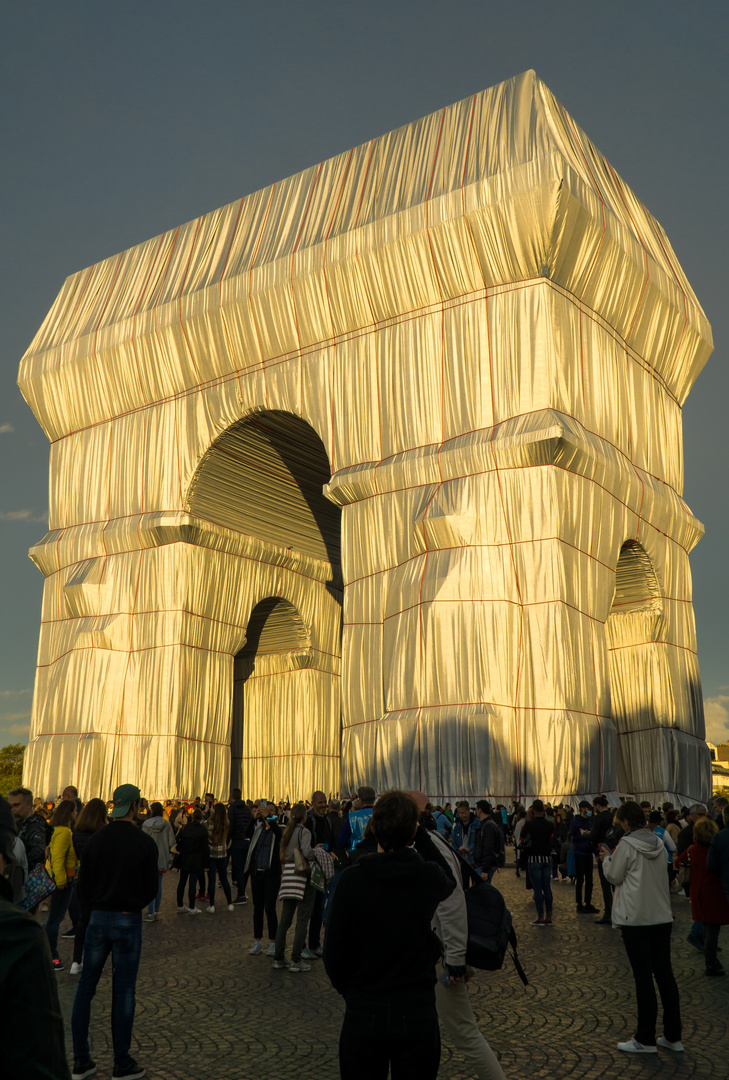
[(205, 1008)]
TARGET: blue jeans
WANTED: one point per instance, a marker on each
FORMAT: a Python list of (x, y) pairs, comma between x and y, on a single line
[(57, 908), (121, 935), (154, 905), (541, 879)]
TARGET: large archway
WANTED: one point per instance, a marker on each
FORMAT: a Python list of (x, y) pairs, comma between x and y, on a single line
[(263, 478), (633, 627)]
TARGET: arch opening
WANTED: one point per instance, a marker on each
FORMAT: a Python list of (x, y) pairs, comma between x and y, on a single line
[(264, 477)]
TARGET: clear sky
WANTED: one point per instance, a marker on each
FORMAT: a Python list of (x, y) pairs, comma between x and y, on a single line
[(121, 120)]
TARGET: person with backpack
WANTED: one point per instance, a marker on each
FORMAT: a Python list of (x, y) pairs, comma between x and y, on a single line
[(489, 852), (442, 823), (450, 923)]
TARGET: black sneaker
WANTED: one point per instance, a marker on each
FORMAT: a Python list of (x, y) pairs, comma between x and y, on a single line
[(69, 933), (580, 909), (241, 899), (132, 1071), (82, 1069), (591, 910)]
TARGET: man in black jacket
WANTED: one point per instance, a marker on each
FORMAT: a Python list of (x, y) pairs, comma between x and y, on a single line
[(380, 951), (488, 842), (239, 835), (602, 823), (33, 829), (319, 825), (118, 878)]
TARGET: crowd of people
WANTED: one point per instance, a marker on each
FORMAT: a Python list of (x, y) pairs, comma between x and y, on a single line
[(384, 877)]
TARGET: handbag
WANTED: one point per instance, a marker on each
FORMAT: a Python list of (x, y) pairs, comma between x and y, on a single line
[(684, 875), (39, 885), (301, 864), (293, 885)]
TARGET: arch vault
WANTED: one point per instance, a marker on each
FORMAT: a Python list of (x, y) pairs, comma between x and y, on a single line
[(413, 401)]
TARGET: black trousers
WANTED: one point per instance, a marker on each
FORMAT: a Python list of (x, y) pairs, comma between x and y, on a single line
[(405, 1040), (583, 869), (649, 952), (264, 889)]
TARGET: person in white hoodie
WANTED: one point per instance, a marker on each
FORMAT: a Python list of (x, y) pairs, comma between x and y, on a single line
[(158, 827), (642, 910)]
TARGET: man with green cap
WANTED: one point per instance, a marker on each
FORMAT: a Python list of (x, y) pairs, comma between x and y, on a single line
[(117, 879)]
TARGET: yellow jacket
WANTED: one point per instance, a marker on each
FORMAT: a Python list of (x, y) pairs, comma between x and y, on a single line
[(61, 863)]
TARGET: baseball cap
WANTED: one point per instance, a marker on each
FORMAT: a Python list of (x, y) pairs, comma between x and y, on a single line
[(123, 798)]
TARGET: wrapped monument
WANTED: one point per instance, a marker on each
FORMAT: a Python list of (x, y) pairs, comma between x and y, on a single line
[(375, 476)]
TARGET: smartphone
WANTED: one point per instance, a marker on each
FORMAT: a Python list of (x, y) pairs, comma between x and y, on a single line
[(264, 802), (603, 847)]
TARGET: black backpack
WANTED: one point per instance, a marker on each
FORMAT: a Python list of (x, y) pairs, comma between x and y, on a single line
[(490, 928)]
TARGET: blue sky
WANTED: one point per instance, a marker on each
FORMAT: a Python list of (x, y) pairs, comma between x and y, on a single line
[(121, 120)]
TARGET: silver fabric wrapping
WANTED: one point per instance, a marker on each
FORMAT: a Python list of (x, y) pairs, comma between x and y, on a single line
[(476, 341)]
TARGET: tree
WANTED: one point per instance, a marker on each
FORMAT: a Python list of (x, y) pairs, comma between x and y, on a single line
[(11, 767)]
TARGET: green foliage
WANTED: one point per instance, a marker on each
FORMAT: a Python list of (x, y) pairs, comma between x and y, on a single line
[(11, 767)]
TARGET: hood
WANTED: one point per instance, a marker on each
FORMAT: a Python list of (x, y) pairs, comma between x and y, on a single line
[(155, 824), (646, 842), (399, 867)]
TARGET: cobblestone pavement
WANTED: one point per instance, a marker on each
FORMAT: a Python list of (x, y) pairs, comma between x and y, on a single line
[(206, 1010)]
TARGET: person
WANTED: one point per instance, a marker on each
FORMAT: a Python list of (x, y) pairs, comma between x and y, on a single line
[(464, 829), (642, 910), (536, 837), (118, 877), (296, 837), (709, 904), (320, 826), (240, 818), (719, 803), (685, 840), (159, 829), (354, 827), (488, 842), (602, 832), (263, 865), (380, 951), (718, 858), (33, 828), (193, 859), (452, 1000), (61, 865), (31, 1026), (92, 818), (579, 834), (217, 826)]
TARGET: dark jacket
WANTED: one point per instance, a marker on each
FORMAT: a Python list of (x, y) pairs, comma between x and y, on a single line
[(193, 848), (582, 844), (240, 818), (601, 823), (685, 838), (321, 830), (33, 1046), (119, 869), (486, 845), (379, 947), (36, 833)]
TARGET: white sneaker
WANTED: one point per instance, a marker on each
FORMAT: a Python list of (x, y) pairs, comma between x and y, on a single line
[(661, 1040), (211, 909), (182, 910), (231, 907), (308, 954), (271, 950), (301, 966), (194, 911), (256, 950), (634, 1047), (76, 970)]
